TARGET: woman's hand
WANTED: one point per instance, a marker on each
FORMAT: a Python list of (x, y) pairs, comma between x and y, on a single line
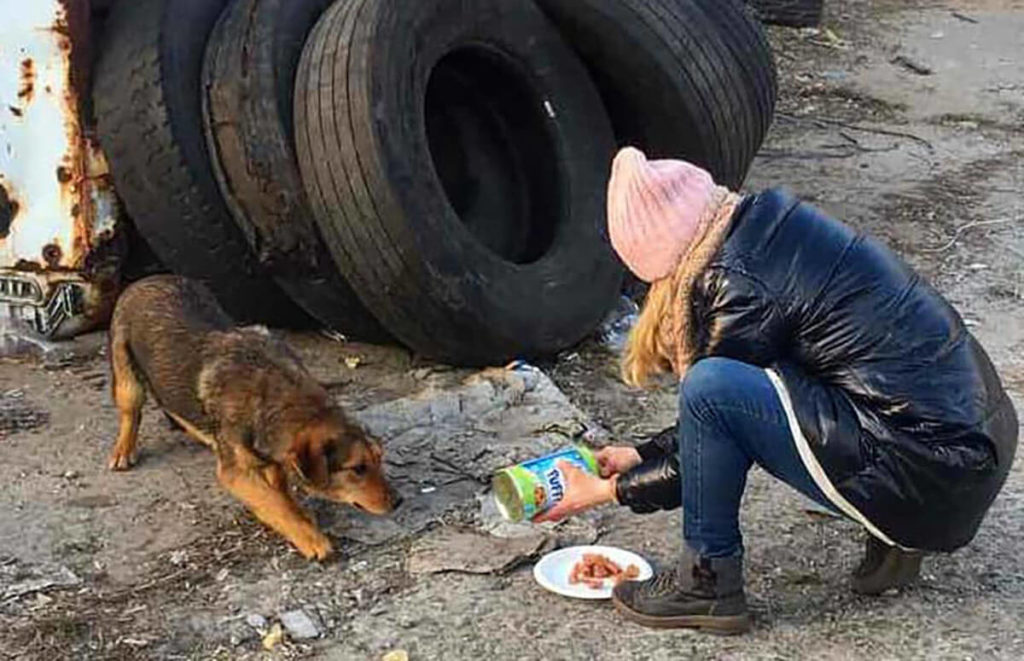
[(617, 459), (582, 492)]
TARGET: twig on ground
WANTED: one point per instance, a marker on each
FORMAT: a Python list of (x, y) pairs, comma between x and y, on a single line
[(149, 585), (849, 151), (912, 65), (965, 18), (963, 228), (824, 122)]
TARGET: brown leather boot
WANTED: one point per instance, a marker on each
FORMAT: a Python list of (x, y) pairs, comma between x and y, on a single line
[(700, 593), (885, 568)]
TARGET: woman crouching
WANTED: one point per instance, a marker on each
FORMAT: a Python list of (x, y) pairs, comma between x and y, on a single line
[(808, 349)]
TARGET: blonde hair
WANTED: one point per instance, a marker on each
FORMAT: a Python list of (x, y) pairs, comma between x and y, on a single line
[(646, 354), (664, 338)]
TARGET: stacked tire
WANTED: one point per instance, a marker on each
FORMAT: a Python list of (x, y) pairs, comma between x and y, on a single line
[(429, 171)]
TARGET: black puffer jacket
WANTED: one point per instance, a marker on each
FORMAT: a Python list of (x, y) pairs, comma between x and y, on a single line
[(898, 402)]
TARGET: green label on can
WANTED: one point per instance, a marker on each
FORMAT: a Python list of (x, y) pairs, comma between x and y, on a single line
[(527, 489)]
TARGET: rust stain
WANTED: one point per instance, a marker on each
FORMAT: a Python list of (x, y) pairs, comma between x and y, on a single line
[(72, 23), (28, 80), (28, 266), (76, 185)]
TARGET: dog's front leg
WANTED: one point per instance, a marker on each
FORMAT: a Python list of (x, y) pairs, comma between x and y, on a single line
[(263, 487)]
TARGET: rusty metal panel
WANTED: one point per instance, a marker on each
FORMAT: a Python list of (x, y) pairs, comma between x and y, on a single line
[(57, 207)]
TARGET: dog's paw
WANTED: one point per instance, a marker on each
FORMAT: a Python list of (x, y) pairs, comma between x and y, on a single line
[(315, 546), (121, 461)]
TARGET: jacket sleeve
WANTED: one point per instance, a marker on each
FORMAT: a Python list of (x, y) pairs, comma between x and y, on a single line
[(653, 485), (664, 442)]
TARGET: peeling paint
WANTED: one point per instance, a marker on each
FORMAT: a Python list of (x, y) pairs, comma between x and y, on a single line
[(28, 80), (56, 194)]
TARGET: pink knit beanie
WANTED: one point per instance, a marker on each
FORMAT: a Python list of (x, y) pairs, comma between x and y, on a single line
[(655, 211)]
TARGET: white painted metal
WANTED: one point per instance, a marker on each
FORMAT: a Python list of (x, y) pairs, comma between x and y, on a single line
[(56, 204)]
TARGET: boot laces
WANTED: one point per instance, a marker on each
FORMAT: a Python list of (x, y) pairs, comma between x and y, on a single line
[(663, 583)]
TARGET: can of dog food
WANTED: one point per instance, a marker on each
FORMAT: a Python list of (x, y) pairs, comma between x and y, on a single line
[(527, 489)]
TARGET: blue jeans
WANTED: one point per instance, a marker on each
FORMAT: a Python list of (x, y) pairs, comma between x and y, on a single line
[(730, 417)]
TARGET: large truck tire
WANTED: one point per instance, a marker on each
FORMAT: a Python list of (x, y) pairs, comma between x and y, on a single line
[(147, 105), (455, 154), (247, 94), (691, 79)]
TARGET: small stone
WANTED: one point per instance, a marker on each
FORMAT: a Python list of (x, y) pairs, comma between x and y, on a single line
[(70, 475), (396, 655), (238, 634), (256, 621), (299, 625)]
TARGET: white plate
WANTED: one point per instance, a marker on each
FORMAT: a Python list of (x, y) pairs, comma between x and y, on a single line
[(552, 571)]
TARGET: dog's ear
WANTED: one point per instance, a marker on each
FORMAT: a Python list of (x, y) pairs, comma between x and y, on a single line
[(376, 451), (308, 459)]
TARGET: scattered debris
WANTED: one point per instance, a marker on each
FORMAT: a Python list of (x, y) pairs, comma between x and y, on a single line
[(256, 621), (44, 579), (964, 17), (274, 637), (134, 642), (299, 625), (471, 552), (617, 324), (963, 228), (824, 37), (824, 122), (912, 65), (396, 655), (352, 362), (814, 509), (17, 414), (334, 336), (19, 339)]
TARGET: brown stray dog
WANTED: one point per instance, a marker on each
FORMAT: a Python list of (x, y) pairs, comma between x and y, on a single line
[(249, 398)]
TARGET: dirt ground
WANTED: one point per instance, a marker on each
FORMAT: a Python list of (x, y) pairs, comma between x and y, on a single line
[(904, 118)]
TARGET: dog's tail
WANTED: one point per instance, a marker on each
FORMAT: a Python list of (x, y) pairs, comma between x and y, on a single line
[(124, 373)]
